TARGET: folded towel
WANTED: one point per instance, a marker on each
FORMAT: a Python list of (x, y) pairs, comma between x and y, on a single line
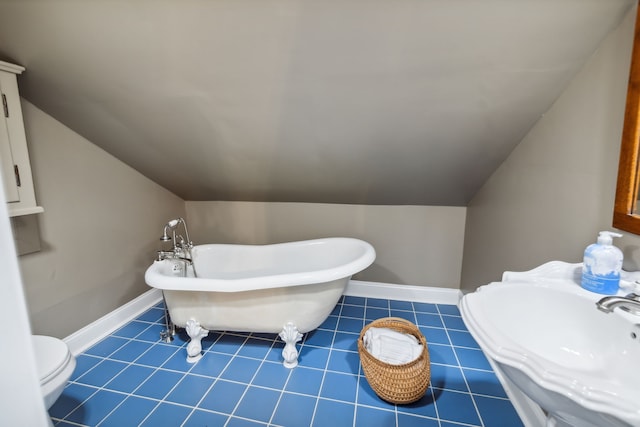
[(393, 347)]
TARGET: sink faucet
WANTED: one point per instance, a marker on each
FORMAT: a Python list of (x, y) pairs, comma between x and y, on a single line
[(629, 303)]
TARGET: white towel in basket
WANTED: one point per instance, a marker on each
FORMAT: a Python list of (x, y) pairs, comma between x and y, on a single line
[(392, 347)]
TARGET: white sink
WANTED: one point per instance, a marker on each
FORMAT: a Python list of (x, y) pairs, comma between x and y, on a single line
[(582, 366)]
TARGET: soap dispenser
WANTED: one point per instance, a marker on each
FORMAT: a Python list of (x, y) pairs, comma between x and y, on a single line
[(602, 265)]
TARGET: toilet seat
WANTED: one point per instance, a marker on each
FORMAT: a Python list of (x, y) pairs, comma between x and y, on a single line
[(54, 365), (52, 357)]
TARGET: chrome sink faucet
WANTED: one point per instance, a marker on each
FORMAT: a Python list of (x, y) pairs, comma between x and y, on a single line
[(629, 303), (181, 247)]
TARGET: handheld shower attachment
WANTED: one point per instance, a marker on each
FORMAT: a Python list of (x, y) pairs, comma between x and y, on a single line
[(178, 244), (171, 225), (165, 237)]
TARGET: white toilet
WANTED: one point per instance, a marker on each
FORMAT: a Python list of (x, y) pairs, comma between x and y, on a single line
[(55, 364)]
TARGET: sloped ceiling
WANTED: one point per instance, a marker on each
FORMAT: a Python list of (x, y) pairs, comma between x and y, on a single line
[(337, 101)]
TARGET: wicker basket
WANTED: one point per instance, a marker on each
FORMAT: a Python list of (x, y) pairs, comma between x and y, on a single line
[(400, 384)]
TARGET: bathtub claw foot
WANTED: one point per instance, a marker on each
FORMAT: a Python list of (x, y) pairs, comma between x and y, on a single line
[(290, 335), (196, 333)]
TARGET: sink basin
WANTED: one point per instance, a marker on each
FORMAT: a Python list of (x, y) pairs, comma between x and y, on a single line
[(580, 365)]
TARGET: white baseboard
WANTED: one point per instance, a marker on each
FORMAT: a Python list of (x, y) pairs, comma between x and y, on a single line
[(428, 294), (84, 338)]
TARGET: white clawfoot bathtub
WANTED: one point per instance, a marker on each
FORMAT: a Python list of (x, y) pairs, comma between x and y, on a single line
[(286, 288)]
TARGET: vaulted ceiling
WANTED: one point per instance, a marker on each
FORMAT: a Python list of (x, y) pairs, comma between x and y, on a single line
[(338, 101)]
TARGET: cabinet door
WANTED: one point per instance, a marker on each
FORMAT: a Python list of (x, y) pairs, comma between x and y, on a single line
[(16, 168), (6, 158)]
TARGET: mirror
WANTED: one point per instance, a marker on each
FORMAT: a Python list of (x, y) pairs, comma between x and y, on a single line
[(626, 215)]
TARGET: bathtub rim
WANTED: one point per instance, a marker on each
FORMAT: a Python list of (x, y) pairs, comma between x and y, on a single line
[(155, 279)]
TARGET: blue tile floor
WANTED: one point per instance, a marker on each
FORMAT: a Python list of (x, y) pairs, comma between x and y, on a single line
[(130, 378)]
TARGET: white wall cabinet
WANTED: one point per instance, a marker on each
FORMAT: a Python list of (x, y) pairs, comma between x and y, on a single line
[(14, 156)]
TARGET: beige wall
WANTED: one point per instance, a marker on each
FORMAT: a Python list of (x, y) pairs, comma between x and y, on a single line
[(554, 193), (99, 231), (415, 245)]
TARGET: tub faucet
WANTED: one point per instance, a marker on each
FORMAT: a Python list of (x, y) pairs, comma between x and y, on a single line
[(181, 247), (629, 303)]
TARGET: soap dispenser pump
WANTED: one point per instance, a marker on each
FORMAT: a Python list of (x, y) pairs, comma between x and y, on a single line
[(602, 265)]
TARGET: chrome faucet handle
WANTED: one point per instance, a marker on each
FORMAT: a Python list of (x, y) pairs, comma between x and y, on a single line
[(178, 251), (633, 296)]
